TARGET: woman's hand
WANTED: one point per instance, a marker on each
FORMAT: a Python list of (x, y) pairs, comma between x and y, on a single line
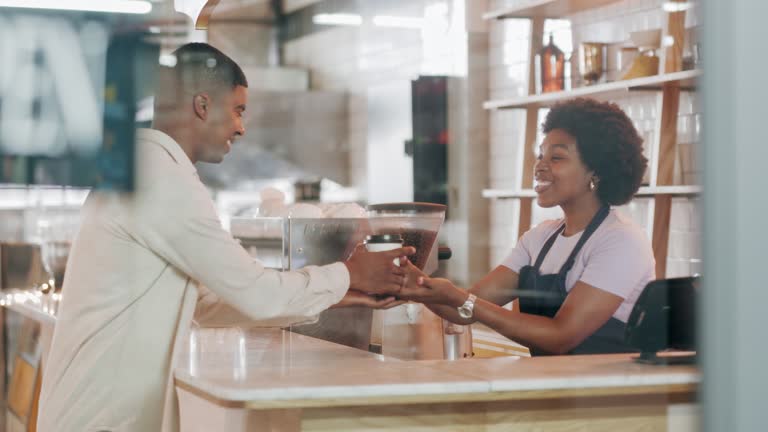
[(418, 287), (357, 298)]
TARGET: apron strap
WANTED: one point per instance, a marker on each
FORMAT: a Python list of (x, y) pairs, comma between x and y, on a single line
[(591, 228), (547, 246)]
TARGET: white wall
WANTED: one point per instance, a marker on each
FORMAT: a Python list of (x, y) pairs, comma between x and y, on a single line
[(390, 170)]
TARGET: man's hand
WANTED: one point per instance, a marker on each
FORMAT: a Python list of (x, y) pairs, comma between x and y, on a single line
[(356, 298), (376, 272), (423, 289)]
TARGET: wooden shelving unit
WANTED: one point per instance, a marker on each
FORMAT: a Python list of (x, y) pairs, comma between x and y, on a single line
[(668, 84), (546, 9)]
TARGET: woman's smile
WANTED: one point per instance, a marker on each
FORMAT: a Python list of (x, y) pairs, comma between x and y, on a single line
[(541, 186)]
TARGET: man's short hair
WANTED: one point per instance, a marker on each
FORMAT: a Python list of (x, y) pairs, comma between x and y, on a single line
[(200, 64), (199, 68)]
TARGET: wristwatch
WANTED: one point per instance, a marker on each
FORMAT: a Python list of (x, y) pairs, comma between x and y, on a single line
[(465, 310)]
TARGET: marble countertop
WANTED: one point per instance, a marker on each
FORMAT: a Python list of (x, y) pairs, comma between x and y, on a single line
[(274, 368)]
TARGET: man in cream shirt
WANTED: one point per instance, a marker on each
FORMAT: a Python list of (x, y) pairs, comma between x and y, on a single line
[(145, 264)]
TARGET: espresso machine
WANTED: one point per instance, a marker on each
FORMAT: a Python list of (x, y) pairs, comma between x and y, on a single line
[(410, 331)]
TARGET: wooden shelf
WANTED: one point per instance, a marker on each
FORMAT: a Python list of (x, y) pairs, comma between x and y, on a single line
[(686, 191), (685, 78), (509, 193), (546, 9)]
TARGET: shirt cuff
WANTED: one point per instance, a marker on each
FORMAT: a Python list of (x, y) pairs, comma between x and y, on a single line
[(340, 276)]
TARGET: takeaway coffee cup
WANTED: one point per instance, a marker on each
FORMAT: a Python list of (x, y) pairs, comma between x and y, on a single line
[(384, 242)]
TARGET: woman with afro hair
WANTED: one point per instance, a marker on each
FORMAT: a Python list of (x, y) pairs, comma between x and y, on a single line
[(574, 280)]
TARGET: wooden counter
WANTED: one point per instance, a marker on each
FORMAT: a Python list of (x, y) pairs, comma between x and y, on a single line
[(279, 381)]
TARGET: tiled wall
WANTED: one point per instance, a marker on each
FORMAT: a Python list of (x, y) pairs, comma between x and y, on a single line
[(509, 45), (341, 69)]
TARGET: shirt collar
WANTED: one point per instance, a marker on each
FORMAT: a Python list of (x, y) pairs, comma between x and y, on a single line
[(169, 144)]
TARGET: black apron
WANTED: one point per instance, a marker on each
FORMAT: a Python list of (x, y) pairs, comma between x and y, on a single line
[(544, 294)]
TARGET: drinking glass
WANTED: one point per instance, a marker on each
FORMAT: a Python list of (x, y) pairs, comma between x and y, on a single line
[(591, 60)]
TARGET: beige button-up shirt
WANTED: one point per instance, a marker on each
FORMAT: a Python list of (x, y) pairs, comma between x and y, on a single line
[(141, 268)]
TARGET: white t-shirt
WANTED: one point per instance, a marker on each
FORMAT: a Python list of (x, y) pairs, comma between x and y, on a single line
[(617, 258)]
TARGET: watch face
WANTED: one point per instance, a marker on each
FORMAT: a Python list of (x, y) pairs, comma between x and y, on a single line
[(465, 312)]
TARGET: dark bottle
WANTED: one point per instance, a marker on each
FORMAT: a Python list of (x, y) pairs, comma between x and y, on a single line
[(552, 67)]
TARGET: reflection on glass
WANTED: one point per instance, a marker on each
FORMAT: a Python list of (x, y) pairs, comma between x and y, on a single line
[(56, 233)]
